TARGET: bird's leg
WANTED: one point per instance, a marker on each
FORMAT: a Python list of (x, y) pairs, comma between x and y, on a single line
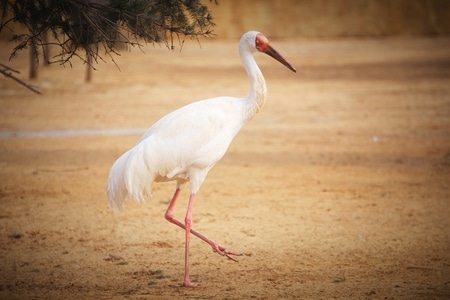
[(188, 224), (215, 246)]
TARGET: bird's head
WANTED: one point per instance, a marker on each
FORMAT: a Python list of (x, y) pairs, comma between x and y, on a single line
[(259, 42)]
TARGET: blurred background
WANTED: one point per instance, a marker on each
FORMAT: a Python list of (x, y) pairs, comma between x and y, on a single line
[(325, 18), (330, 19)]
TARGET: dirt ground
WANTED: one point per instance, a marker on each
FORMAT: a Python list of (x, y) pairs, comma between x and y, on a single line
[(339, 188)]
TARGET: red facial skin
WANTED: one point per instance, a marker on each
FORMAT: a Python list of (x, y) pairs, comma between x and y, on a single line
[(262, 45)]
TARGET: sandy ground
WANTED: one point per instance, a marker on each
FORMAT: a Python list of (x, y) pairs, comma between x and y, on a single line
[(339, 188)]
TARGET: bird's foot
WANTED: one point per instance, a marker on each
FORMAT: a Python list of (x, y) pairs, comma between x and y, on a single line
[(186, 283), (189, 284), (224, 252)]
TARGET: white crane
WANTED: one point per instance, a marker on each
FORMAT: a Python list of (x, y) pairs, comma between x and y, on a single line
[(185, 144)]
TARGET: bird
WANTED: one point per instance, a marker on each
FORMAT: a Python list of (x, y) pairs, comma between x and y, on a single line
[(185, 144)]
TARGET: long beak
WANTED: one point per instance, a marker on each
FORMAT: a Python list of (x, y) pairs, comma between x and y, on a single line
[(274, 53)]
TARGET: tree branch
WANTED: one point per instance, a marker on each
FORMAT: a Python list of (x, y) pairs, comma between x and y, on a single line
[(7, 71)]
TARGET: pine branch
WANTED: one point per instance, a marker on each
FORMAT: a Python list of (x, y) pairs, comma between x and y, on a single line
[(77, 25)]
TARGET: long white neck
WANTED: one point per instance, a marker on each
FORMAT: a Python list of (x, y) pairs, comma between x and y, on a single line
[(258, 91)]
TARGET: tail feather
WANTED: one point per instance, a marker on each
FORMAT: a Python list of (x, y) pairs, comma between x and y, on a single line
[(130, 178)]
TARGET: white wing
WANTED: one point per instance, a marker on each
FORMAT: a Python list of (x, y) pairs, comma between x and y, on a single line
[(194, 136)]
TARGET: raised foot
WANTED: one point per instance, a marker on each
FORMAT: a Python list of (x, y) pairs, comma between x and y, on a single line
[(224, 252)]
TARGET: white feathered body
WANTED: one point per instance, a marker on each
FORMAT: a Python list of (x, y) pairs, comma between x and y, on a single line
[(183, 146)]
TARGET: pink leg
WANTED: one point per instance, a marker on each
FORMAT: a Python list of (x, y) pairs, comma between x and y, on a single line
[(215, 246), (188, 224)]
